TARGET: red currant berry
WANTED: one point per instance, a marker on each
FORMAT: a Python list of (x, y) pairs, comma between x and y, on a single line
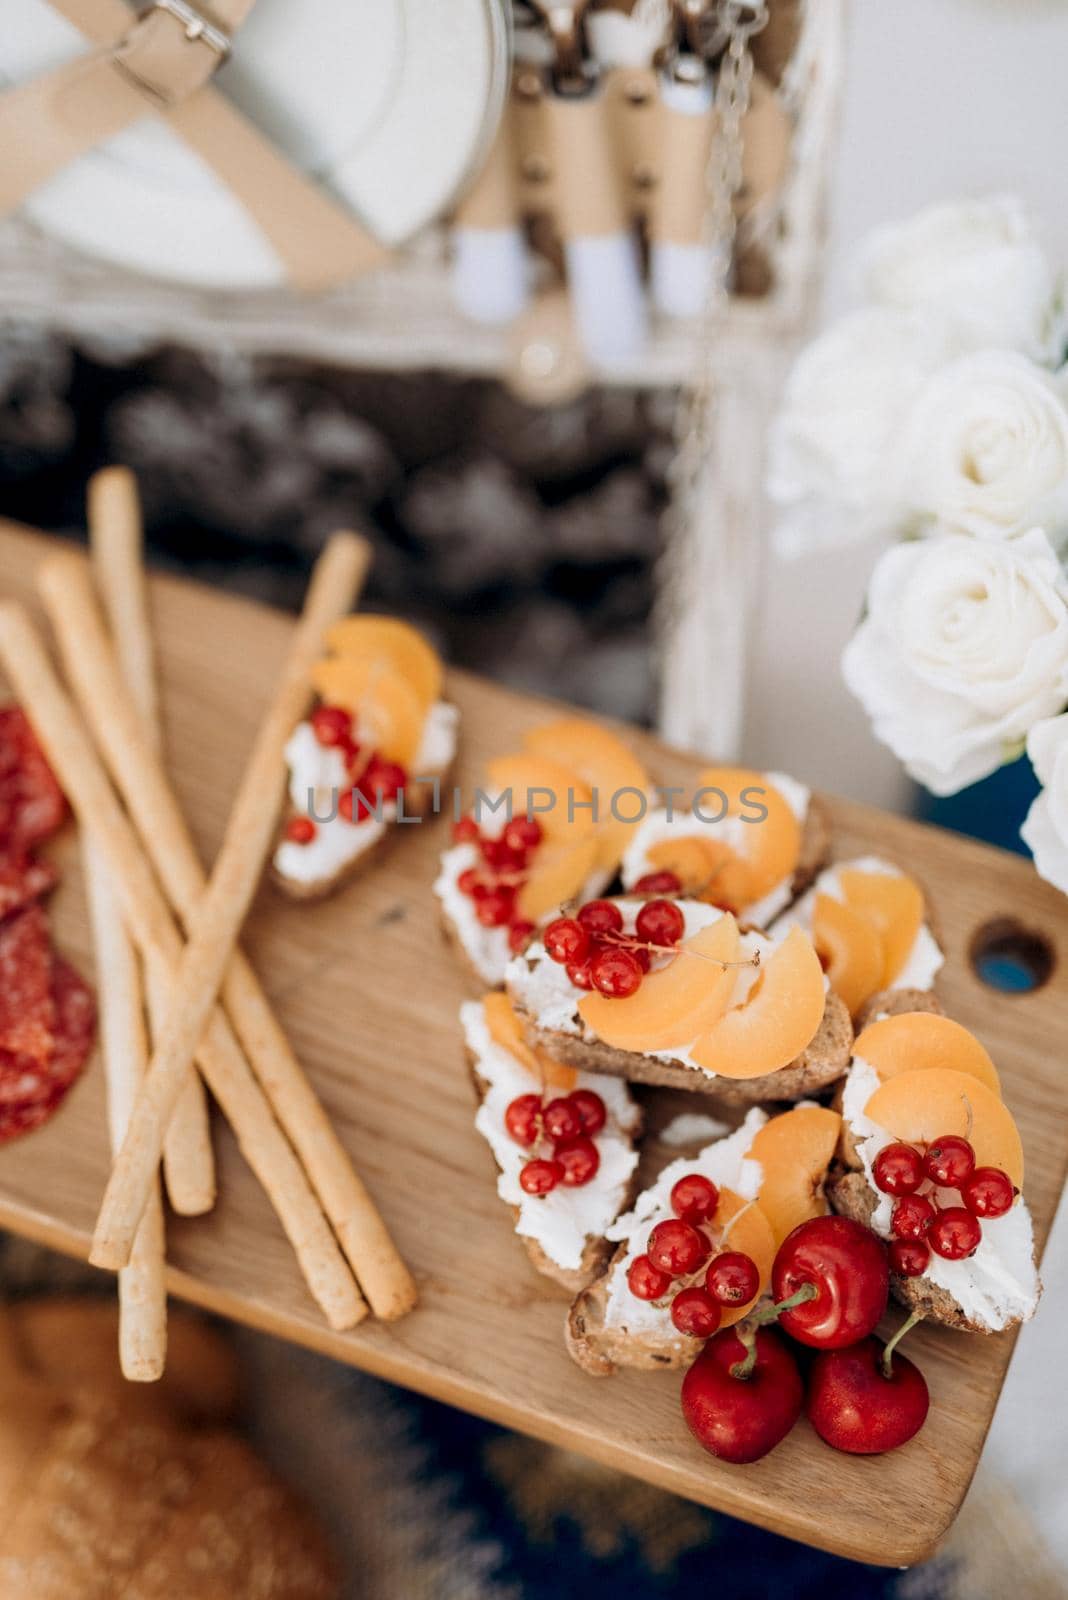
[(567, 941), (332, 725), (658, 883), (579, 974), (676, 1247), (642, 957), (949, 1160), (616, 973), (601, 916), (580, 1160), (695, 1198), (494, 910), (522, 835), (988, 1192), (523, 1119), (384, 779), (733, 1278), (645, 1281), (301, 830), (694, 1311), (898, 1169), (660, 922), (520, 934), (562, 1120), (469, 881), (348, 805), (590, 1108), (954, 1234), (465, 830), (911, 1217), (540, 1176), (909, 1258)]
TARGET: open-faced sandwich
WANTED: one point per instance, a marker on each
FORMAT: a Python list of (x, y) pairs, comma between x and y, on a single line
[(696, 1251), (564, 1142), (550, 824), (673, 992), (374, 750), (934, 1164), (871, 929), (749, 842)]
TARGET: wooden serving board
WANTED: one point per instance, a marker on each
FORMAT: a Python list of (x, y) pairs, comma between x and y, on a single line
[(370, 996)]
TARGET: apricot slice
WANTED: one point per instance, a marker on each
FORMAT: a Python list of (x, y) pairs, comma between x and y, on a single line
[(674, 1005), (918, 1107), (532, 781), (741, 1225), (778, 1018), (768, 850), (394, 645), (794, 1152), (557, 874), (387, 709), (604, 762), (893, 904), (506, 1030), (917, 1040), (850, 949), (695, 862)]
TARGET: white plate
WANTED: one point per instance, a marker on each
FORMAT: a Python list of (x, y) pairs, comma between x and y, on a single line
[(389, 102)]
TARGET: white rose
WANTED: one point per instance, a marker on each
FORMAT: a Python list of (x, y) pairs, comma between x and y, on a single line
[(1045, 829), (985, 448), (964, 647), (977, 263), (848, 392)]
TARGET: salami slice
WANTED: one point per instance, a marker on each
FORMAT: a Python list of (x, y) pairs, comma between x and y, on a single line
[(32, 806), (25, 1082), (23, 879), (19, 1119), (27, 1007)]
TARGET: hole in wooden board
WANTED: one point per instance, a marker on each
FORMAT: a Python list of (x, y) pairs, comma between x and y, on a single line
[(1011, 958)]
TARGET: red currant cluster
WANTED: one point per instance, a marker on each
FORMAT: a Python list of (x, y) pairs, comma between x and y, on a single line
[(375, 781), (918, 1224), (680, 1248), (494, 887), (599, 955), (567, 1126)]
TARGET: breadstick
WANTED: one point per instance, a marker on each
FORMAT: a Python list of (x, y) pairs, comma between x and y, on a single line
[(221, 911), (67, 592), (142, 1295), (116, 538), (268, 1153)]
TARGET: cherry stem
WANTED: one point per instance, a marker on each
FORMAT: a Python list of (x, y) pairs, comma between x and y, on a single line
[(746, 1330), (889, 1348), (746, 1334)]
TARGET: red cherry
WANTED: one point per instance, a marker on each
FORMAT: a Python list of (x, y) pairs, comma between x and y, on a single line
[(616, 973), (494, 910), (733, 1278), (954, 1234), (660, 922), (301, 830), (855, 1407), (465, 830), (332, 725), (988, 1192), (695, 1198), (469, 881), (523, 1118), (580, 1159), (601, 916), (677, 1248), (658, 883), (522, 834), (385, 779), (562, 1120), (520, 934), (694, 1311), (898, 1169), (741, 1419), (912, 1216), (846, 1264), (949, 1160), (540, 1176), (645, 1281), (580, 975), (567, 941), (591, 1110), (909, 1258)]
